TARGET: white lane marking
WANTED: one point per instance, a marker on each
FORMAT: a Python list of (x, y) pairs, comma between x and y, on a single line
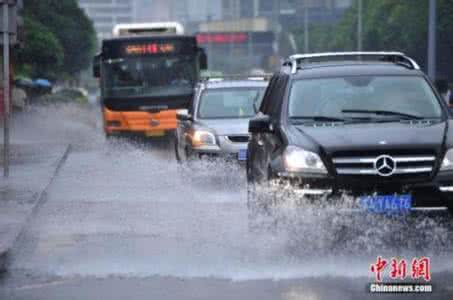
[(43, 285)]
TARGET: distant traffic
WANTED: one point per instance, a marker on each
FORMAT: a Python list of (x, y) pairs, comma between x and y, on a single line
[(309, 125)]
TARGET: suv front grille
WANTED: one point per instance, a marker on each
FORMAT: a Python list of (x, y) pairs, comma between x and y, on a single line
[(385, 165), (238, 138)]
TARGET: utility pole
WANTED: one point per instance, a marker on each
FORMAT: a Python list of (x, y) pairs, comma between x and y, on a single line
[(208, 20), (359, 25), (432, 39), (8, 29), (256, 5), (6, 87), (306, 30)]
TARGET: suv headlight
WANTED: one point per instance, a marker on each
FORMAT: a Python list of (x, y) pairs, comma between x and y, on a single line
[(447, 163), (299, 160), (202, 137)]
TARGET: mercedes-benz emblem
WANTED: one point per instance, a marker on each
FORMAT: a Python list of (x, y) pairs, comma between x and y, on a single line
[(385, 165)]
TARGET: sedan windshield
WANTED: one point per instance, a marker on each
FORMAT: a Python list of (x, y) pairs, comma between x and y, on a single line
[(364, 97), (151, 76), (230, 103)]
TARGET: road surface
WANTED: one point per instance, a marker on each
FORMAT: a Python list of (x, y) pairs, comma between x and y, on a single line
[(122, 220)]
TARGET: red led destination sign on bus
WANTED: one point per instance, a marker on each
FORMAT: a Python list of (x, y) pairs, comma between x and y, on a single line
[(222, 38), (149, 49)]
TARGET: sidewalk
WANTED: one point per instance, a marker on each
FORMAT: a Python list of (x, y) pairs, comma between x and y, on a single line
[(33, 166)]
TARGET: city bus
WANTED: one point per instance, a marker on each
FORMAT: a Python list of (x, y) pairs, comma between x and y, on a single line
[(146, 74), (148, 29)]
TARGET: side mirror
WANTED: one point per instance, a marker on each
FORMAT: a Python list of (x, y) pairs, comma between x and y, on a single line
[(202, 59), (260, 124), (97, 66), (183, 115)]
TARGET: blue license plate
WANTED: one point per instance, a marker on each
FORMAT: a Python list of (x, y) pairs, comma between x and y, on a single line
[(242, 155), (382, 204)]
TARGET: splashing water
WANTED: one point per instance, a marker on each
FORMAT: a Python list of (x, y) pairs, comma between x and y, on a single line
[(124, 207)]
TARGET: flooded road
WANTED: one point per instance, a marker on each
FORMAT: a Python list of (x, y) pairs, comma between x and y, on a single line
[(122, 219)]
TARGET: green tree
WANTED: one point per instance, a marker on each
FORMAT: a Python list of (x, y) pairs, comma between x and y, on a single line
[(445, 39), (43, 54), (403, 26), (72, 28), (399, 25), (321, 38)]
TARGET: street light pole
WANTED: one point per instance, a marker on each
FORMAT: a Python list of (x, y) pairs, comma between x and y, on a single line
[(359, 25), (6, 88), (208, 20), (432, 39), (306, 31)]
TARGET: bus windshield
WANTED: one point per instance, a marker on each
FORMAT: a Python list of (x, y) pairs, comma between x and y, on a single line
[(150, 76)]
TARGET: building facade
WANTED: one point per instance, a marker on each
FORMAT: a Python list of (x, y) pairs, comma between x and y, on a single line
[(106, 13), (153, 10), (323, 11), (287, 12), (187, 12)]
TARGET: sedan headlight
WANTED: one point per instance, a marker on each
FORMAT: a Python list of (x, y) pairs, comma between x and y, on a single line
[(447, 163), (299, 160), (203, 138)]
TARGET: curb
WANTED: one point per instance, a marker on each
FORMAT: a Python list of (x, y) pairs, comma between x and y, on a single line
[(4, 256)]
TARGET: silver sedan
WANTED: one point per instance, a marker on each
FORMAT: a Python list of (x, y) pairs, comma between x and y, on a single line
[(216, 124)]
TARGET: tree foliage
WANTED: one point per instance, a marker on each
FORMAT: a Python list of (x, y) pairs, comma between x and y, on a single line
[(72, 34), (43, 54), (398, 25)]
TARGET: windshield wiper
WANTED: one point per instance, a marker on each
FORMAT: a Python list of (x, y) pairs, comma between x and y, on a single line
[(318, 119), (382, 113)]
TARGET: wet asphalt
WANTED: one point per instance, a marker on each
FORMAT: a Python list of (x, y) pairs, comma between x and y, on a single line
[(123, 220)]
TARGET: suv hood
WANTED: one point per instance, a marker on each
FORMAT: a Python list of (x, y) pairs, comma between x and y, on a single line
[(227, 126), (372, 136)]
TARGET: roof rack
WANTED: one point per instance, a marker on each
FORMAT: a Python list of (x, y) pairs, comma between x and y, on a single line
[(395, 57)]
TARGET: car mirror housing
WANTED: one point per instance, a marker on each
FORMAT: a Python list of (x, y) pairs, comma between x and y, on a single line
[(260, 124)]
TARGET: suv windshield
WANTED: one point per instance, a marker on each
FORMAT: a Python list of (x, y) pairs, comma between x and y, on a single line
[(230, 103), (394, 97), (152, 76)]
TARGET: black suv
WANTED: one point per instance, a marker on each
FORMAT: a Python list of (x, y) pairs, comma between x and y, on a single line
[(368, 124)]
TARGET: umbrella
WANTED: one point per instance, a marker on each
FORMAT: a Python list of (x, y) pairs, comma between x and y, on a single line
[(43, 82)]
